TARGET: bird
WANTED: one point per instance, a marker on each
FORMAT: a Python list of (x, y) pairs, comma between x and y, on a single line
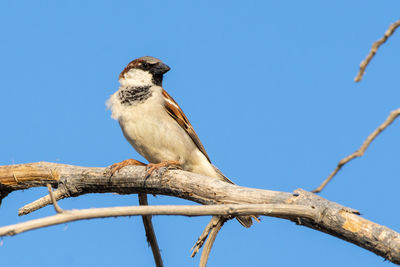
[(154, 124)]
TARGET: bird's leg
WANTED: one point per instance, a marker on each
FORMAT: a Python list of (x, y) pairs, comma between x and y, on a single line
[(117, 166), (151, 167)]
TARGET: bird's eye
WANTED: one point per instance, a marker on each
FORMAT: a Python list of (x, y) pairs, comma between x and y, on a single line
[(145, 65)]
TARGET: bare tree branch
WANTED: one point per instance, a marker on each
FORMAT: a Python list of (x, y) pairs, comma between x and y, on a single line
[(150, 233), (229, 210), (360, 152), (374, 49), (58, 194), (74, 181), (307, 209)]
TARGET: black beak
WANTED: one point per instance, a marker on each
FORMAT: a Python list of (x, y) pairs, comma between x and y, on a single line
[(160, 68)]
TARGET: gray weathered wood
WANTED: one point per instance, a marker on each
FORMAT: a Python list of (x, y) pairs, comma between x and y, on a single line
[(71, 181)]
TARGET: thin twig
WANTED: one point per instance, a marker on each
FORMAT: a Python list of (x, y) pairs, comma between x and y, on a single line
[(273, 210), (150, 233), (360, 152), (58, 194), (210, 241), (374, 49), (53, 200)]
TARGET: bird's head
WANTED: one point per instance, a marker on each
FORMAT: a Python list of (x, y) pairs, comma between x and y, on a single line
[(144, 71)]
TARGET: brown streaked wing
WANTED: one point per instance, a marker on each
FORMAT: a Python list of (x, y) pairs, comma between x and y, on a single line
[(177, 114)]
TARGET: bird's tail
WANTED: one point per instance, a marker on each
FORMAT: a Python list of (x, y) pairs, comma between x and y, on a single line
[(246, 221)]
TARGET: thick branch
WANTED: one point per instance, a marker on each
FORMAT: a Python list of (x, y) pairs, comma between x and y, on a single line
[(75, 181), (330, 217)]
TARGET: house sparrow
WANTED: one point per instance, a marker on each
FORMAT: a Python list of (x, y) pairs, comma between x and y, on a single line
[(155, 125)]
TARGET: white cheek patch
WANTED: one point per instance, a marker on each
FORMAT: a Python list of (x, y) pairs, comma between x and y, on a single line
[(136, 77), (133, 78)]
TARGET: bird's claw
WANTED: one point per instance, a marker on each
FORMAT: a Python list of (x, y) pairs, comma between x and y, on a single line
[(119, 165), (152, 167)]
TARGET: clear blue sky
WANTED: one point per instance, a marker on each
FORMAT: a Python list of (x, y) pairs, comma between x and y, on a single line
[(268, 86)]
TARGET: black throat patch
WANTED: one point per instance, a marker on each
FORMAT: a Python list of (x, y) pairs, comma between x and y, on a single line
[(157, 79), (134, 95)]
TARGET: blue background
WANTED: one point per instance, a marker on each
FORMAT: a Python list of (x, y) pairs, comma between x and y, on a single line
[(268, 86)]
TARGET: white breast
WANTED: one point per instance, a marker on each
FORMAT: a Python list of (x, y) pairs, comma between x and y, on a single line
[(151, 130)]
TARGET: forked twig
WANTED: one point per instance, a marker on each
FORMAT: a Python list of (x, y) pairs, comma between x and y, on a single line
[(375, 46), (202, 238), (150, 234), (360, 152), (210, 241)]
